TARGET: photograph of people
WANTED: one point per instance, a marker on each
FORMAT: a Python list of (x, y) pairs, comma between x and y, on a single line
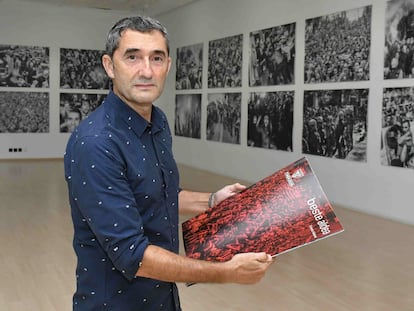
[(337, 46), (335, 124), (225, 58), (397, 144), (24, 112), (124, 188), (24, 66), (75, 107), (189, 67), (82, 69), (270, 120), (399, 40), (272, 56), (223, 117), (188, 115)]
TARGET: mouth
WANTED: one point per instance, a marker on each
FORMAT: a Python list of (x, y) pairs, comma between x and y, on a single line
[(144, 85)]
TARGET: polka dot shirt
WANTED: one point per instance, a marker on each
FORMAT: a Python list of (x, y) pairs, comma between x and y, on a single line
[(123, 187)]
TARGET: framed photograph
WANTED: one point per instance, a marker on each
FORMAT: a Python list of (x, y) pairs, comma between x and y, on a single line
[(82, 69), (272, 56), (399, 40), (337, 46), (76, 107), (225, 59), (24, 66), (335, 124), (189, 66), (188, 115), (223, 117), (24, 112), (397, 144), (270, 120)]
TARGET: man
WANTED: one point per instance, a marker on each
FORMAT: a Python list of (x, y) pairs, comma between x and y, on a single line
[(73, 119), (405, 141), (124, 188)]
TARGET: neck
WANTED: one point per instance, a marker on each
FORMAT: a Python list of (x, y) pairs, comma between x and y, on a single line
[(143, 109)]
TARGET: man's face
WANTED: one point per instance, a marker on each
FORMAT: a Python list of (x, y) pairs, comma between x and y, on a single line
[(73, 120), (139, 67), (405, 127)]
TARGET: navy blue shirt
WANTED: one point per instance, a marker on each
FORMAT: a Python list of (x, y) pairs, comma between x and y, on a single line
[(123, 187)]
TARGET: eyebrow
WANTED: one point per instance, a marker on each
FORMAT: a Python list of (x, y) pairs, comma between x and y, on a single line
[(134, 50)]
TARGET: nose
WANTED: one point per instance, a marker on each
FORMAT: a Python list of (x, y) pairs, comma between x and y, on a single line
[(145, 69)]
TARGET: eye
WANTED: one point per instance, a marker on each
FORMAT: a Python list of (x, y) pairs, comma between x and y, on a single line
[(131, 57), (158, 59)]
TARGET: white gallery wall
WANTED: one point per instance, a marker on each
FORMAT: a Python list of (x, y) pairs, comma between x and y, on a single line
[(55, 27), (366, 186)]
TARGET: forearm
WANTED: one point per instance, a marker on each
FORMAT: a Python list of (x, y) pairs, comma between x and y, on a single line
[(167, 266), (191, 202)]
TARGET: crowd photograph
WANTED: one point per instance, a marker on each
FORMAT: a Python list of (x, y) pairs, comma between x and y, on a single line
[(337, 46), (223, 117), (24, 66), (397, 144), (82, 69), (188, 115), (225, 57), (272, 56), (335, 123), (270, 120), (189, 67), (399, 40), (24, 112), (76, 107)]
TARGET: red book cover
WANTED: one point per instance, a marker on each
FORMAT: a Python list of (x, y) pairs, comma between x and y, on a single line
[(281, 212)]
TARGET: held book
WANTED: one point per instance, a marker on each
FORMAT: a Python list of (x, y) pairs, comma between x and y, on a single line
[(279, 213)]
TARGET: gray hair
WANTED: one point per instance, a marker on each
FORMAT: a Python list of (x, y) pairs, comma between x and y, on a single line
[(138, 23)]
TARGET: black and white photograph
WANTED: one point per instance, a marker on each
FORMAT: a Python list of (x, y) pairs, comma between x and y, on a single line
[(189, 66), (225, 58), (188, 115), (335, 124), (76, 107), (397, 144), (337, 46), (399, 40), (270, 120), (24, 112), (24, 66), (272, 56), (223, 117), (82, 69)]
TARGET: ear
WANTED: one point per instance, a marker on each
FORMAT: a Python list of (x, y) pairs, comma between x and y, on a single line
[(169, 65), (108, 65)]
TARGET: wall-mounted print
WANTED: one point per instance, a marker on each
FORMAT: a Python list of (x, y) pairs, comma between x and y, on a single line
[(225, 57), (24, 66), (188, 115), (399, 40), (24, 112), (189, 67), (76, 107), (335, 124), (223, 117), (272, 56), (270, 120), (82, 69), (337, 46), (397, 144)]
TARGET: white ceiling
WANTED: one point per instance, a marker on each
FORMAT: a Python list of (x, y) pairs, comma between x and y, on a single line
[(147, 7)]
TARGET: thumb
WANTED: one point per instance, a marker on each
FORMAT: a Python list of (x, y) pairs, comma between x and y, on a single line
[(263, 257)]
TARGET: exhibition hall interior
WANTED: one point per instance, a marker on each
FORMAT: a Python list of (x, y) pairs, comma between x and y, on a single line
[(309, 105)]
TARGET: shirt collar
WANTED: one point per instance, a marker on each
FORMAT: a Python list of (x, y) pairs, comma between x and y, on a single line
[(136, 122)]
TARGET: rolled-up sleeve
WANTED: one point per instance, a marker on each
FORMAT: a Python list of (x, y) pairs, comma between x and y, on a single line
[(104, 198)]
